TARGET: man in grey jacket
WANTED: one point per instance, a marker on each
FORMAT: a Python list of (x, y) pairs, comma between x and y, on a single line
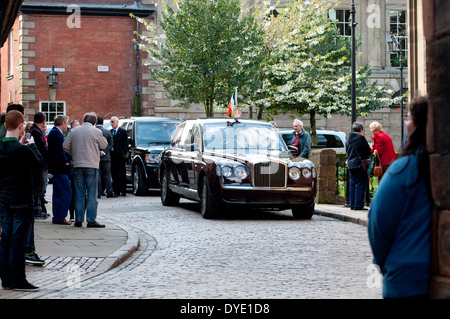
[(84, 144)]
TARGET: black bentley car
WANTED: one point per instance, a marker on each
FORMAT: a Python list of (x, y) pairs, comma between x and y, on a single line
[(223, 162), (147, 137)]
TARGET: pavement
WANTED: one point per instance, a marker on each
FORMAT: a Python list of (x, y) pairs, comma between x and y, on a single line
[(94, 251)]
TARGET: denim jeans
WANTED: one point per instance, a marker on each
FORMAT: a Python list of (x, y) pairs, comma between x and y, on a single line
[(15, 228), (86, 185), (62, 193), (358, 180)]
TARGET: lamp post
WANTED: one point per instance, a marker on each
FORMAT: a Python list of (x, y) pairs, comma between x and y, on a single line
[(395, 47), (353, 13)]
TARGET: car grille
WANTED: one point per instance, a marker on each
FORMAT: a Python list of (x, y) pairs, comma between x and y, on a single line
[(269, 174)]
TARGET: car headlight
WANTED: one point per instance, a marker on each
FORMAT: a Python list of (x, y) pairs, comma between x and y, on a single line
[(152, 158), (240, 172), (226, 171), (306, 172), (294, 173)]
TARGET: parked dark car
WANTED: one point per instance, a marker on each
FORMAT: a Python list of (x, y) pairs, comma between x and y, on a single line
[(147, 137), (224, 162)]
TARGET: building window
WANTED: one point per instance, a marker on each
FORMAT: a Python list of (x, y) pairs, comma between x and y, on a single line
[(398, 27), (52, 109), (343, 21)]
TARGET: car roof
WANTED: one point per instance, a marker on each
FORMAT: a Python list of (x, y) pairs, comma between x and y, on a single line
[(225, 120), (151, 119)]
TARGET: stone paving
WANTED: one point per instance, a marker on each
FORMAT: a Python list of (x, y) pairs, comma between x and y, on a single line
[(250, 255)]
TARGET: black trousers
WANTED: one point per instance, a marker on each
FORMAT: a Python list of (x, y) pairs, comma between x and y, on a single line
[(118, 173)]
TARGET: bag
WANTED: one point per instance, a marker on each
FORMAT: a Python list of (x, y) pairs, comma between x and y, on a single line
[(378, 169), (365, 163)]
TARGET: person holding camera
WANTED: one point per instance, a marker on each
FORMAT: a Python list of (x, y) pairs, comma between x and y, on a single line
[(16, 200)]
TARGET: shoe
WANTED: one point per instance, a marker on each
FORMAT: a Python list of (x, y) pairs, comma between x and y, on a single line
[(40, 216), (33, 259), (72, 220), (360, 208), (78, 224), (101, 194), (112, 195), (123, 194), (25, 287), (63, 222), (95, 224)]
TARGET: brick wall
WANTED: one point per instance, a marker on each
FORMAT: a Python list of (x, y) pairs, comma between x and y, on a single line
[(10, 83), (101, 41)]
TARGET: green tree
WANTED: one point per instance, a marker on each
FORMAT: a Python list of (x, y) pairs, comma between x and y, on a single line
[(307, 70), (198, 57)]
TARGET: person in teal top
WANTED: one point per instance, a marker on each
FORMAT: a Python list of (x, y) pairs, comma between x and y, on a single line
[(400, 216)]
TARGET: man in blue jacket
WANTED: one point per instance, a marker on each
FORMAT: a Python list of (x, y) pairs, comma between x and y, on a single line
[(59, 164)]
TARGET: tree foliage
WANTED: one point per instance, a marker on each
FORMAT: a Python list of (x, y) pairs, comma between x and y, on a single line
[(308, 64), (289, 59), (198, 58)]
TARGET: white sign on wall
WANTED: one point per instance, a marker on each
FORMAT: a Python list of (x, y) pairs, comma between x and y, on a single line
[(56, 69), (103, 68)]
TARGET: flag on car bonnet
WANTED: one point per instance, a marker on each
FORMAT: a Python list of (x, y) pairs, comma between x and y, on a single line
[(233, 103)]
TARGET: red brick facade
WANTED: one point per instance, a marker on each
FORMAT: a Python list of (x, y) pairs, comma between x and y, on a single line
[(96, 64)]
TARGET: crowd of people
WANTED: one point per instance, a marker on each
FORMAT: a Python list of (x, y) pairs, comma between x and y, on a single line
[(80, 162)]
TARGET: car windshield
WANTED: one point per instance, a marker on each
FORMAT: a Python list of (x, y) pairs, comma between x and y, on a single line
[(155, 133), (242, 137)]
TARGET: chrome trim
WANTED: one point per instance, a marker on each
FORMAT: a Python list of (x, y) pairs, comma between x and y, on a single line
[(248, 188), (252, 169)]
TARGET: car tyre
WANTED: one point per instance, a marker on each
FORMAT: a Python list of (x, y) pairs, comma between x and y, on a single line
[(140, 185), (208, 208), (303, 211), (168, 198)]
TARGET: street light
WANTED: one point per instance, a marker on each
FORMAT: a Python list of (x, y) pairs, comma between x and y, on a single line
[(353, 13), (395, 47), (52, 77)]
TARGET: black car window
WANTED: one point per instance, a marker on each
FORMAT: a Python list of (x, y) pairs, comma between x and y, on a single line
[(130, 130), (329, 140), (155, 132)]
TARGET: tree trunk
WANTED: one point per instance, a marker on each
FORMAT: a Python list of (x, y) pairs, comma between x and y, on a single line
[(209, 108)]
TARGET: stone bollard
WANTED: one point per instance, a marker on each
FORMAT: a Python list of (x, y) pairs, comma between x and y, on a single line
[(325, 162)]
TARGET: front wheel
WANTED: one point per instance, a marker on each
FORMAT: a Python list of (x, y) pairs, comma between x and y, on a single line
[(168, 198), (303, 211), (140, 185), (208, 209)]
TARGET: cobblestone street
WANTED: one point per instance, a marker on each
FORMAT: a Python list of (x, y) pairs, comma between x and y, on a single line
[(248, 255)]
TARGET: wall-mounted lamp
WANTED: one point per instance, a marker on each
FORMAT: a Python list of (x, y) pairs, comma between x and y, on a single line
[(52, 77)]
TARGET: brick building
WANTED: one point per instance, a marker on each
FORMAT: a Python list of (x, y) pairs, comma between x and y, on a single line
[(90, 46), (97, 69)]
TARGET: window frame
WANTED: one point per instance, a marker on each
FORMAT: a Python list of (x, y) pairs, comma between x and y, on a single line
[(48, 113)]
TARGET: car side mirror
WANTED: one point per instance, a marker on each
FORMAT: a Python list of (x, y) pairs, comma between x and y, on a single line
[(293, 149)]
